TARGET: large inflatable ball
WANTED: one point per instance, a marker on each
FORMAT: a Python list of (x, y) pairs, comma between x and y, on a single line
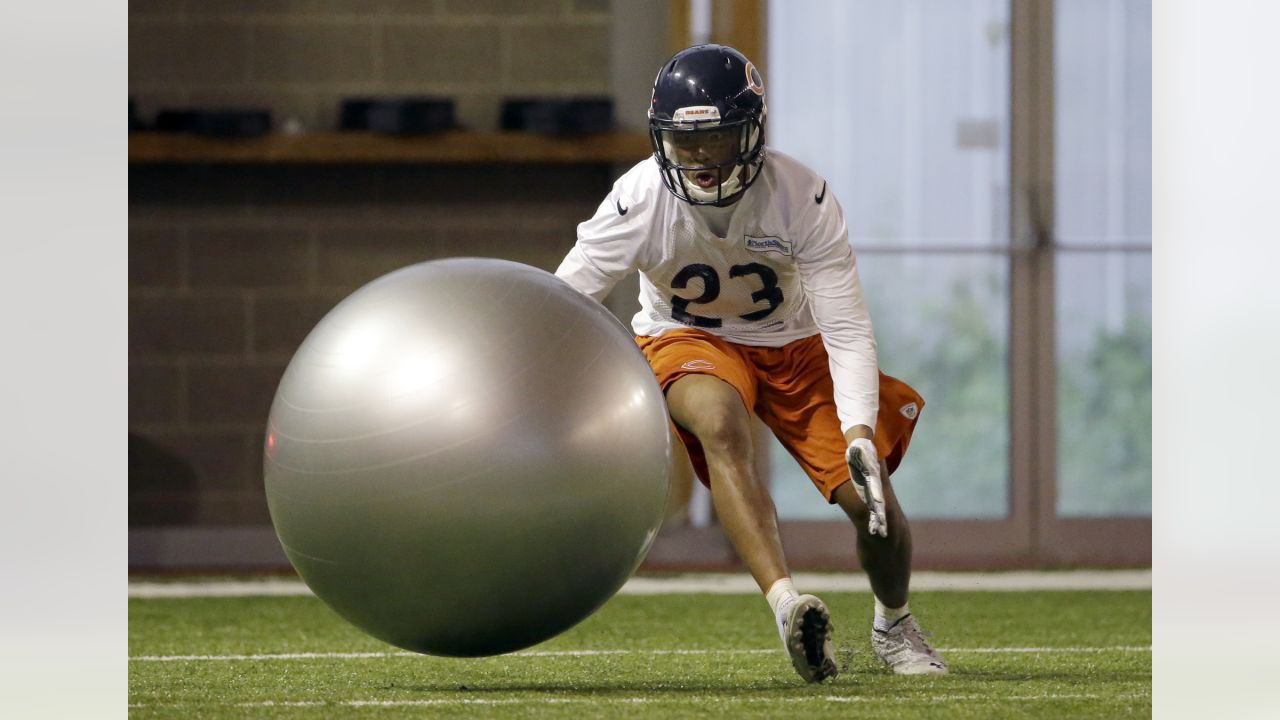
[(467, 457)]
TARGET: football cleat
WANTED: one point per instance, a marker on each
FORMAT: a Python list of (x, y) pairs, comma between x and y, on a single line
[(904, 648), (805, 627)]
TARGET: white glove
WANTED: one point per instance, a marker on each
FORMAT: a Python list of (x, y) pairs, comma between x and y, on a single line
[(864, 470)]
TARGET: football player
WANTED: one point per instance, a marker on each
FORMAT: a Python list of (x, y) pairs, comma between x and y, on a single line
[(751, 305)]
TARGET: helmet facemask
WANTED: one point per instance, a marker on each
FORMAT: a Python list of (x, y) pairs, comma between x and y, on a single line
[(708, 162)]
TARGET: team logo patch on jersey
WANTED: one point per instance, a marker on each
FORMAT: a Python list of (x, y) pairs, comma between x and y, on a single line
[(910, 411), (698, 365), (768, 243)]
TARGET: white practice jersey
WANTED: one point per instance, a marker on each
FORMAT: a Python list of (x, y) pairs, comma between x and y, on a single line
[(783, 271)]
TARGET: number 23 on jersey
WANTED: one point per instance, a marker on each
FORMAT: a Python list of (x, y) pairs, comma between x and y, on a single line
[(769, 292)]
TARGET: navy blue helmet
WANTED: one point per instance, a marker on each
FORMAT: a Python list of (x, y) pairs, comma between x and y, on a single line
[(706, 124)]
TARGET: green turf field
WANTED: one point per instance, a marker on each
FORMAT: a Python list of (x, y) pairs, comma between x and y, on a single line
[(1018, 654)]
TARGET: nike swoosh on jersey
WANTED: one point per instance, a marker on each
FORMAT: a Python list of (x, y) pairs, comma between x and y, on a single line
[(621, 210), (822, 195)]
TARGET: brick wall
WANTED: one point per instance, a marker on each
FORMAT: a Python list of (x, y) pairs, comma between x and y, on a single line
[(230, 267), (299, 58)]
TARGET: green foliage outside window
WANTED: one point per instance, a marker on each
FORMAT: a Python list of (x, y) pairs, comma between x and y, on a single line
[(1104, 425)]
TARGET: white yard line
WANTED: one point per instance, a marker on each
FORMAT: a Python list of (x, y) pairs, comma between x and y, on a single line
[(725, 584), (683, 699), (588, 653), (742, 584)]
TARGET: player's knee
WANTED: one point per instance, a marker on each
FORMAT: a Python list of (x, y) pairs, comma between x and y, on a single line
[(713, 411), (722, 428)]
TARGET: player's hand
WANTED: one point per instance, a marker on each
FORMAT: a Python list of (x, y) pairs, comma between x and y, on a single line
[(864, 470)]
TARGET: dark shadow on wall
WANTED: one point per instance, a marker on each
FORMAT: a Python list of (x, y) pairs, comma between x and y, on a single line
[(162, 486)]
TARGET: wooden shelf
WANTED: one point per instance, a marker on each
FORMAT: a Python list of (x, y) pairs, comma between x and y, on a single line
[(362, 147)]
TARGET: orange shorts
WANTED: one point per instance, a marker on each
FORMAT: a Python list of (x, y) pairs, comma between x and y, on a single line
[(789, 388)]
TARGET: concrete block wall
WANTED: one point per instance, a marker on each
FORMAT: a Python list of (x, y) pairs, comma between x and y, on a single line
[(231, 266), (300, 58)]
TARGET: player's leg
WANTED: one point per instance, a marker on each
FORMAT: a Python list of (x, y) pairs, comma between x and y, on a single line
[(682, 479), (896, 636), (887, 560), (709, 387), (713, 412), (797, 401)]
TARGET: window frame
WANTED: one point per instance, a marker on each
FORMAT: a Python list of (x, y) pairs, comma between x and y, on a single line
[(1031, 534)]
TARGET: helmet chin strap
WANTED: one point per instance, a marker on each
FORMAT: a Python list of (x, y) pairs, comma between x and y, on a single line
[(726, 189)]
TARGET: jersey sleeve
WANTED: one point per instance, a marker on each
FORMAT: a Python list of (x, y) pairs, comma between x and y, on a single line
[(828, 269), (610, 246)]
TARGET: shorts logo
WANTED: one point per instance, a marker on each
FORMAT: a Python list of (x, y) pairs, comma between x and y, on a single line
[(910, 411), (698, 365), (768, 243)]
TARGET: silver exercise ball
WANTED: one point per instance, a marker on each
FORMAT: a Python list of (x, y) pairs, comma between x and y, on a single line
[(467, 457)]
